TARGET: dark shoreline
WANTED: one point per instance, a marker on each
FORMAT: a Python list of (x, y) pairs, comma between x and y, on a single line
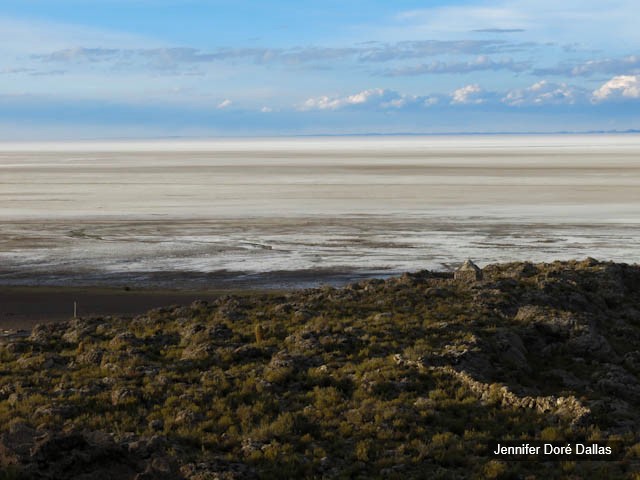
[(23, 307), (50, 299), (192, 280)]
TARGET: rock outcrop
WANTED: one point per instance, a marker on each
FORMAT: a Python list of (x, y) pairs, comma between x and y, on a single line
[(468, 272)]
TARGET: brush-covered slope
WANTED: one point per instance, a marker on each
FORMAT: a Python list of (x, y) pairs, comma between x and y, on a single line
[(411, 377)]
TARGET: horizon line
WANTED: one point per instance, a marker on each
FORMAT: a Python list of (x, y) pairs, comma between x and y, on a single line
[(332, 135)]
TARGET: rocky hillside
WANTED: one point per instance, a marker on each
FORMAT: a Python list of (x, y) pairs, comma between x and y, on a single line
[(411, 377)]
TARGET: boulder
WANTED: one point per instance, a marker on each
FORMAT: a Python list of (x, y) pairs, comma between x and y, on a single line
[(468, 272)]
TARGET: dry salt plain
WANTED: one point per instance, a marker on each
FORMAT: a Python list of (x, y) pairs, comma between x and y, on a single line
[(300, 212)]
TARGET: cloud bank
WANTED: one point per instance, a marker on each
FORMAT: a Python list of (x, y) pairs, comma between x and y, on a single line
[(374, 98), (480, 63)]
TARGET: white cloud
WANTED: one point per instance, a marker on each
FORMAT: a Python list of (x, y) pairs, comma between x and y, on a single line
[(543, 93), (266, 109), (224, 104), (333, 103), (321, 103), (468, 95), (365, 96), (622, 86), (379, 98)]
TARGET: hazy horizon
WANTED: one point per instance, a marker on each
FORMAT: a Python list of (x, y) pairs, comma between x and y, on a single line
[(588, 139)]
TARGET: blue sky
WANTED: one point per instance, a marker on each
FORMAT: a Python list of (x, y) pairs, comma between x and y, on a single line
[(146, 68)]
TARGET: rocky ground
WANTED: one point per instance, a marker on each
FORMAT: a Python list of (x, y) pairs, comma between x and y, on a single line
[(411, 377)]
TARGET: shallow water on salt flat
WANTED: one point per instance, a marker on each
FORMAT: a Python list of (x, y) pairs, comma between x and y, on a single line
[(242, 211)]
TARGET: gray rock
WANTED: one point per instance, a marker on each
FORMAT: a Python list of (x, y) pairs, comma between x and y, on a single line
[(468, 272)]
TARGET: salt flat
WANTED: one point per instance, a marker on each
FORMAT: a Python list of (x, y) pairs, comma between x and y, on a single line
[(242, 210)]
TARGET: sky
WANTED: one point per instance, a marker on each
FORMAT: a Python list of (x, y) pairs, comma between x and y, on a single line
[(205, 68)]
